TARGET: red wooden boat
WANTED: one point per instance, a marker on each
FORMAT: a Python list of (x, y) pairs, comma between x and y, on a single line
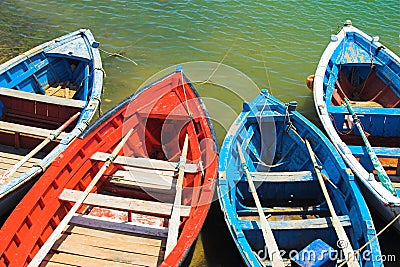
[(134, 189)]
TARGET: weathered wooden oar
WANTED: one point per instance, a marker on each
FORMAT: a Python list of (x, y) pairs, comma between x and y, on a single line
[(382, 175), (341, 233), (269, 239), (33, 152), (176, 209), (56, 233)]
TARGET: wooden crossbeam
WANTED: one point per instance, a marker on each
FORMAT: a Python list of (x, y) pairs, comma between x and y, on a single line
[(314, 223), (122, 203), (145, 163)]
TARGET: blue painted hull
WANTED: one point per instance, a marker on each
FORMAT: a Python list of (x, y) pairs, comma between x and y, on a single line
[(71, 61), (357, 67), (270, 135)]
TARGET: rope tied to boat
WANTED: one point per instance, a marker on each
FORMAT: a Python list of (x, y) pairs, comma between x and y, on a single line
[(111, 158), (102, 70), (246, 170), (184, 93), (54, 134), (181, 163), (370, 241), (337, 129), (118, 55)]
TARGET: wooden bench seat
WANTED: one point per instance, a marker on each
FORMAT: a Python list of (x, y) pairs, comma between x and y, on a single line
[(24, 129), (390, 152), (143, 178), (310, 210), (127, 204), (146, 163), (296, 224), (42, 98), (279, 177), (109, 224), (390, 112)]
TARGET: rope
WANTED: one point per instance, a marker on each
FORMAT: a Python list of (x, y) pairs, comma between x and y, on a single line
[(118, 55), (370, 241), (220, 63), (184, 93), (266, 73), (337, 129)]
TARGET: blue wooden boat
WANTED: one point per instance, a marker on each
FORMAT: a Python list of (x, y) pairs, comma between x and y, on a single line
[(303, 206), (357, 68), (48, 96)]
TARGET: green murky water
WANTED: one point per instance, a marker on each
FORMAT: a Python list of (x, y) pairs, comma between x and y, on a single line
[(262, 44)]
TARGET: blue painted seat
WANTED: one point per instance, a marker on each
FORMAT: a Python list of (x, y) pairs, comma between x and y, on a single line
[(313, 223), (300, 176), (393, 152)]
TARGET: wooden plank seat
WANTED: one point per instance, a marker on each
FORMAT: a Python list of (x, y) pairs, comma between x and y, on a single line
[(142, 178), (127, 204), (390, 112), (279, 177), (314, 223), (390, 152), (307, 210), (268, 118), (42, 98), (145, 163), (118, 226), (366, 104), (30, 130)]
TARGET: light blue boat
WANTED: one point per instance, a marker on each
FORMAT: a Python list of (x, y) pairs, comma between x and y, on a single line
[(53, 86), (272, 138)]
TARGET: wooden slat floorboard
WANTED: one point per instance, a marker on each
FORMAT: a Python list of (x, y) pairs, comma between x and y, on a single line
[(117, 236), (127, 227), (105, 248), (78, 260)]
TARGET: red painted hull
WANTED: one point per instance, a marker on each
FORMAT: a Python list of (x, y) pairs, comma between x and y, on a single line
[(160, 115)]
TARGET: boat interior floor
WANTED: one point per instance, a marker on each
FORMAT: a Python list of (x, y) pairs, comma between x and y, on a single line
[(118, 226), (10, 156), (293, 204), (95, 245), (62, 89)]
